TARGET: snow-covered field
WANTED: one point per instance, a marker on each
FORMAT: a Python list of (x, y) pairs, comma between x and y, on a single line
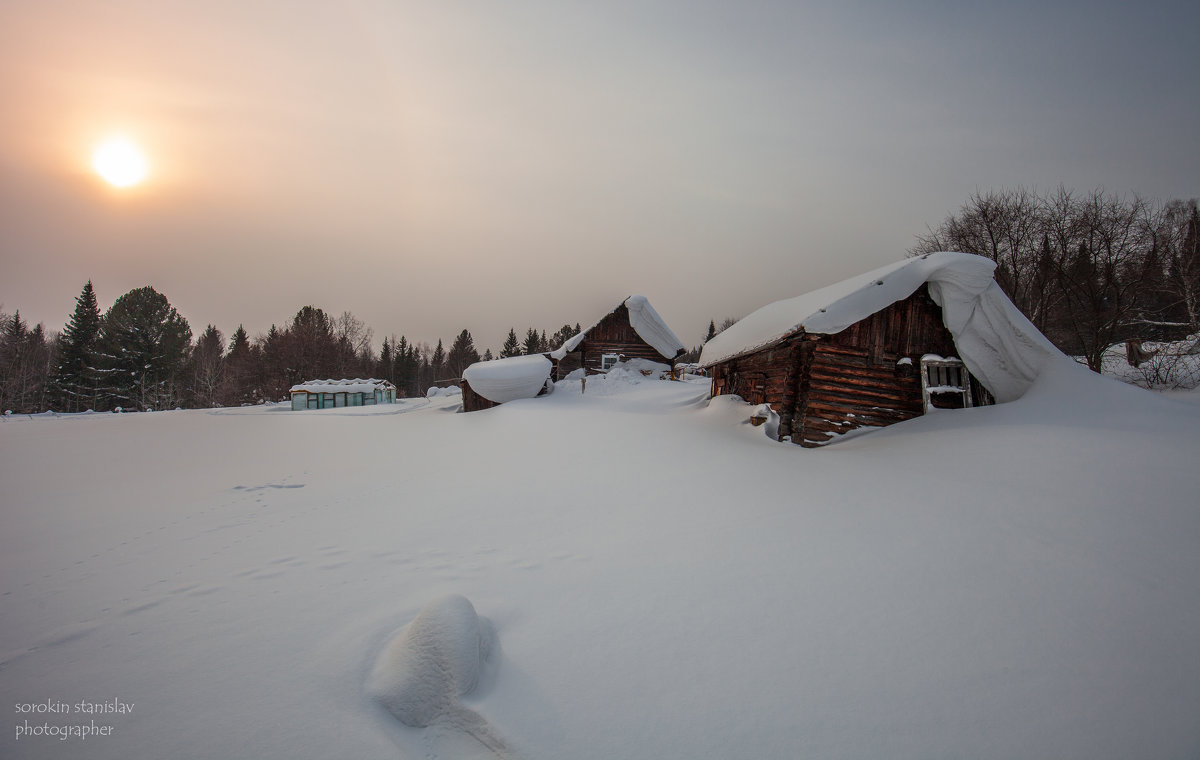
[(630, 573)]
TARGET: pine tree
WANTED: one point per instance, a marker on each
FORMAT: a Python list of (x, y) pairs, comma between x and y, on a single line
[(487, 355), (207, 368), (143, 345), (239, 370), (273, 369), (532, 342), (462, 354), (511, 347), (386, 369), (712, 331), (12, 359), (73, 388), (565, 333), (405, 374), (438, 363)]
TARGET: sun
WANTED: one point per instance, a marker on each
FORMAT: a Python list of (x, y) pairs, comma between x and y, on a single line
[(120, 162)]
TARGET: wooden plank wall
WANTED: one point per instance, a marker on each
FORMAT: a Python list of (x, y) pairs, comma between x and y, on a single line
[(614, 335)]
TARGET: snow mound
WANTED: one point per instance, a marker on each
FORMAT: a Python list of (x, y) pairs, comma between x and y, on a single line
[(620, 378), (508, 379), (436, 392), (994, 339), (436, 659)]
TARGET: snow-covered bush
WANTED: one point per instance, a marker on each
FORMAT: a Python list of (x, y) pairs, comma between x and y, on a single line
[(1172, 365)]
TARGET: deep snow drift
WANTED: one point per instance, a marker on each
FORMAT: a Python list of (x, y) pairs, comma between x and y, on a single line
[(663, 580)]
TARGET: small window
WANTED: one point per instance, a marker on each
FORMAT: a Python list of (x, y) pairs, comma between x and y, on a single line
[(608, 361), (945, 383)]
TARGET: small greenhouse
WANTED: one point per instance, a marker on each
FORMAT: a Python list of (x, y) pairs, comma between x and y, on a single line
[(324, 394)]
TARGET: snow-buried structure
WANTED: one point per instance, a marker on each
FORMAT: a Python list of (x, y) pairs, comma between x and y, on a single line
[(486, 384), (929, 332), (633, 330), (325, 394), (423, 673)]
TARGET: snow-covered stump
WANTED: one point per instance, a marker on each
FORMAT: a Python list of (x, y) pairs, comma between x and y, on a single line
[(422, 674)]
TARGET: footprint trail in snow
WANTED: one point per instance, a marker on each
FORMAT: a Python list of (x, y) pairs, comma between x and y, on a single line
[(434, 661)]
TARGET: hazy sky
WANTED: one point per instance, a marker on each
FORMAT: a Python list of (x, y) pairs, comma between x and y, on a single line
[(434, 166)]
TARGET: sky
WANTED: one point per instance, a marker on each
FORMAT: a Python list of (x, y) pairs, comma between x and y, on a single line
[(432, 167)]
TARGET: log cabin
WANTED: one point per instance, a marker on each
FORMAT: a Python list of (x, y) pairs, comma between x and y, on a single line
[(925, 333), (633, 330)]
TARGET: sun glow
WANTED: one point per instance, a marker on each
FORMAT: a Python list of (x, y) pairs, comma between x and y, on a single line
[(120, 162)]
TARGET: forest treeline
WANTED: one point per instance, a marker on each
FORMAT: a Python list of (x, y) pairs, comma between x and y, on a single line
[(139, 355), (1089, 270)]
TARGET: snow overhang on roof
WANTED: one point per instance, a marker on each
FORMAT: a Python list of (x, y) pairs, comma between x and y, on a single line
[(994, 339), (501, 380), (645, 321), (355, 385)]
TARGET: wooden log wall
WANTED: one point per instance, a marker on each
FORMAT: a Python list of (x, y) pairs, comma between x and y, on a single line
[(770, 376), (854, 380), (614, 335), (472, 401), (846, 390), (823, 386)]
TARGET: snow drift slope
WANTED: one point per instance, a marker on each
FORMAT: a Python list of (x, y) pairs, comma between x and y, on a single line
[(1010, 581)]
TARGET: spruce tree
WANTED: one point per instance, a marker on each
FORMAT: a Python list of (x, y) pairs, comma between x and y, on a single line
[(438, 363), (404, 369), (239, 370), (386, 369), (532, 343), (511, 347), (73, 388), (462, 354)]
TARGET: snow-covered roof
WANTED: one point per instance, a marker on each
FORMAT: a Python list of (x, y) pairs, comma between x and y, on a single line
[(645, 321), (355, 385), (515, 377), (994, 339)]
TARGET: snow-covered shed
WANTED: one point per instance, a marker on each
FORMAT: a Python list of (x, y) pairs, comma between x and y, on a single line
[(486, 384), (933, 331), (323, 394), (633, 330)]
